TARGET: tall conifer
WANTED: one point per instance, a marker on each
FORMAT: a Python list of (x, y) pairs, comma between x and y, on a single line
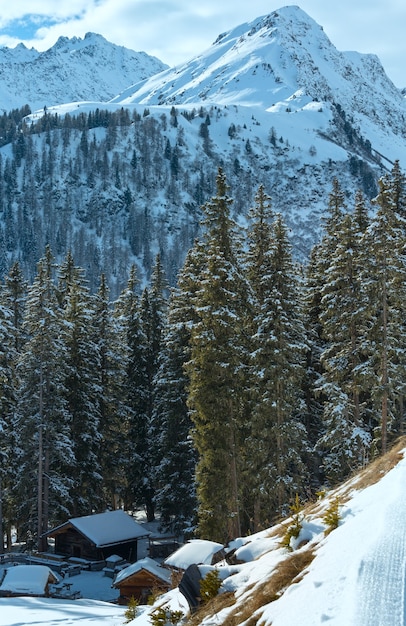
[(278, 438), (82, 388), (43, 420), (217, 389)]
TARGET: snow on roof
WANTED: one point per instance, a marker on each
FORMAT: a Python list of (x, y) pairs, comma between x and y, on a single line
[(105, 529), (28, 579), (196, 551), (146, 564)]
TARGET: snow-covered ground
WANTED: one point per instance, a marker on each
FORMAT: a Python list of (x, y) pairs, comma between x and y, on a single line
[(95, 606), (357, 577), (47, 612)]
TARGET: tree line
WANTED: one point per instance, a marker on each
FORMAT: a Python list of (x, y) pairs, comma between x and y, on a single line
[(214, 402)]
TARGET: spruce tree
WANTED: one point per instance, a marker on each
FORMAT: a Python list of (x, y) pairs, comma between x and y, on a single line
[(217, 389), (277, 439), (42, 417), (112, 407), (152, 317), (313, 284), (82, 388), (133, 355), (7, 410), (385, 285), (175, 457), (12, 303), (344, 306)]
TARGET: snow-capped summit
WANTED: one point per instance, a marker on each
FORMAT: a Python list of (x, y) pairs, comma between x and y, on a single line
[(74, 69), (283, 59)]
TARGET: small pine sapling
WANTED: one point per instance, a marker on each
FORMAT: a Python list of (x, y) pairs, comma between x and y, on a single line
[(293, 530), (209, 586), (131, 611), (332, 516), (164, 617)]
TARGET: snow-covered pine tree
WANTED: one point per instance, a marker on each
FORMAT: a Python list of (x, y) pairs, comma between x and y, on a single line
[(126, 319), (217, 370), (134, 350), (82, 388), (312, 286), (170, 402), (343, 382), (42, 416), (112, 406), (277, 439), (385, 282), (144, 336), (13, 294), (7, 410), (174, 455)]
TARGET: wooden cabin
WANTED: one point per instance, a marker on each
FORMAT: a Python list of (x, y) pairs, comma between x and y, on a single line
[(27, 580), (96, 537), (140, 579)]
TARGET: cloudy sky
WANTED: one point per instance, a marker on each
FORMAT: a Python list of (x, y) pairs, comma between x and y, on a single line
[(176, 30)]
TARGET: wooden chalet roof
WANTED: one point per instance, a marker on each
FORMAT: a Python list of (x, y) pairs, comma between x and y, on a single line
[(104, 529), (143, 565)]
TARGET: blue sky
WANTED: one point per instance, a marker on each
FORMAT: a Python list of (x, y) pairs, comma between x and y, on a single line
[(176, 30)]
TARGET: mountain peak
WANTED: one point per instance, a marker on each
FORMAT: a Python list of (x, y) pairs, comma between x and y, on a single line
[(281, 61), (73, 69)]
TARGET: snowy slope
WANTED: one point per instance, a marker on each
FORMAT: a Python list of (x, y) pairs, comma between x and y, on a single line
[(284, 63), (286, 109), (357, 576), (73, 69)]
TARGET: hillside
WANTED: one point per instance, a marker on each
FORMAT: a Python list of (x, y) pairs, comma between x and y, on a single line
[(283, 63), (351, 575), (272, 102)]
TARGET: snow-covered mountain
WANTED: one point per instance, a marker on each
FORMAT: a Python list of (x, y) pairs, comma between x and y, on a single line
[(272, 102), (277, 62), (73, 69)]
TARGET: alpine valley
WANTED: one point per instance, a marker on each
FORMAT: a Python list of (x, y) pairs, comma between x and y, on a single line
[(110, 154)]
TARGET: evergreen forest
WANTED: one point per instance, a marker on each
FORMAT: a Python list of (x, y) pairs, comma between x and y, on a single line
[(215, 402), (117, 187)]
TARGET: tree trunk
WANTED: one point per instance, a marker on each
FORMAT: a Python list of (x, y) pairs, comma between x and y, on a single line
[(384, 365), (1, 520), (40, 488)]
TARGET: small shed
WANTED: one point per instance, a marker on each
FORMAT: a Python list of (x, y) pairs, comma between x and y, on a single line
[(27, 580), (140, 579), (195, 552), (96, 537)]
